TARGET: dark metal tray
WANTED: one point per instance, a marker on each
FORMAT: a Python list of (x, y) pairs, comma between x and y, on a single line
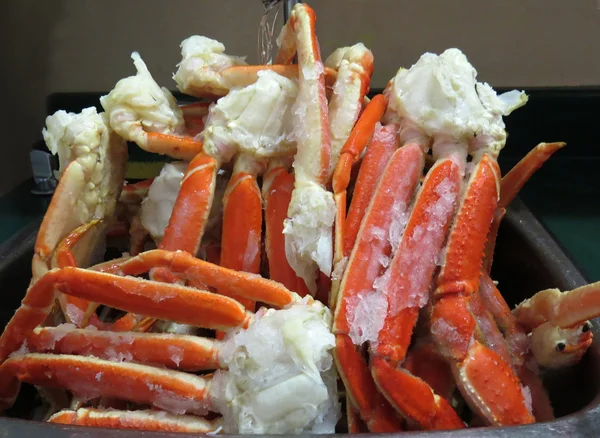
[(527, 259)]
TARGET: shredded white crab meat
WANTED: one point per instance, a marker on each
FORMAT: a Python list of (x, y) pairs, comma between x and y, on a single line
[(255, 119), (440, 94), (280, 376), (157, 207), (203, 59), (308, 231), (138, 105)]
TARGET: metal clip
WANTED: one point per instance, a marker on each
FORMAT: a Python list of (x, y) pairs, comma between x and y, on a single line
[(43, 165)]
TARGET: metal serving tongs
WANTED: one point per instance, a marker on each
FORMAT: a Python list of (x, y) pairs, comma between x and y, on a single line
[(266, 28)]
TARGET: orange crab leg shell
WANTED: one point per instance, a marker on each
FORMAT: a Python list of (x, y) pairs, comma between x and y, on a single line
[(242, 227), (397, 182), (378, 152), (414, 397), (138, 420), (190, 353), (178, 147), (244, 75), (357, 141), (410, 274), (412, 268), (77, 311), (174, 391), (359, 138), (375, 411), (462, 268), (516, 178), (190, 212), (133, 194), (473, 363), (277, 194), (298, 37), (425, 362), (562, 309), (168, 301), (242, 284)]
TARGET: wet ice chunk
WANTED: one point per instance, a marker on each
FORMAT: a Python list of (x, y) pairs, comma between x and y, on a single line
[(366, 315), (339, 269), (527, 396), (400, 216), (417, 264)]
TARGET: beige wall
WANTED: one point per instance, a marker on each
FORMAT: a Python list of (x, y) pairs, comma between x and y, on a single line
[(83, 45)]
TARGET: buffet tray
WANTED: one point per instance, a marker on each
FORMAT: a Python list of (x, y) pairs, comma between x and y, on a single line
[(527, 259)]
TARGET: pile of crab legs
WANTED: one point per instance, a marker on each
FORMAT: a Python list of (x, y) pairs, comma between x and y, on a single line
[(418, 243)]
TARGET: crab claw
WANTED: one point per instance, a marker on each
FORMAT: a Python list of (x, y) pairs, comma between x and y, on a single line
[(556, 347), (311, 213), (558, 322)]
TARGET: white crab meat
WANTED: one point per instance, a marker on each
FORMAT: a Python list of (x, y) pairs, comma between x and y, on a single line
[(203, 59), (309, 231), (156, 209), (255, 120), (138, 105), (85, 139), (280, 376), (440, 94), (77, 137)]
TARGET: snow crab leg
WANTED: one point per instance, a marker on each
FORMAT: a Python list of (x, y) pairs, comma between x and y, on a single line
[(511, 184), (277, 187), (417, 244), (145, 420), (92, 160), (174, 391), (395, 189), (364, 129), (558, 323), (404, 292), (453, 325), (242, 219), (206, 71), (311, 213)]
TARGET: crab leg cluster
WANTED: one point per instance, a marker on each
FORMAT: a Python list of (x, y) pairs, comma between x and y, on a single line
[(173, 391), (364, 227), (404, 233)]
